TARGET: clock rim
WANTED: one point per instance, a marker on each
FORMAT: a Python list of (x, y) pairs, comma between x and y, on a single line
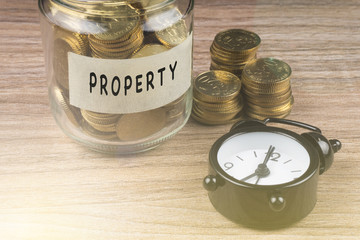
[(312, 169)]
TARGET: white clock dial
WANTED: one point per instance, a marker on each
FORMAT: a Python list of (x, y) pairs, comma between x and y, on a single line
[(240, 156)]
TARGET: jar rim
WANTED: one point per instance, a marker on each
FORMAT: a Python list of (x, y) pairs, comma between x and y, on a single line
[(106, 8), (87, 15)]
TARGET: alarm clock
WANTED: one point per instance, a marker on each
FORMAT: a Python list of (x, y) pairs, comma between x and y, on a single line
[(265, 176)]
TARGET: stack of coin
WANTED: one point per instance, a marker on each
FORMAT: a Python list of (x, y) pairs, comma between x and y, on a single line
[(232, 49), (266, 88), (217, 98), (66, 41), (71, 112), (121, 39), (176, 108), (173, 35), (102, 122), (168, 27)]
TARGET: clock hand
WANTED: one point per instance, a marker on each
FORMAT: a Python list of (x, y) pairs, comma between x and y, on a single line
[(248, 177), (257, 180), (262, 170), (268, 155)]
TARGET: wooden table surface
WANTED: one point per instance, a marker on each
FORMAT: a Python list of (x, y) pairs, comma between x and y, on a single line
[(53, 188)]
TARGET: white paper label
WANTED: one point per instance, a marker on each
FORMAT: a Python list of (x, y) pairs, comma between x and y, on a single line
[(130, 85)]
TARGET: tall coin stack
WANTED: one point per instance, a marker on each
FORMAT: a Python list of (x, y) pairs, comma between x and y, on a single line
[(122, 41), (232, 49), (217, 98), (266, 88)]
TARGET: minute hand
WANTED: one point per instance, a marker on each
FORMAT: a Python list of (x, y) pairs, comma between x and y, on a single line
[(268, 154)]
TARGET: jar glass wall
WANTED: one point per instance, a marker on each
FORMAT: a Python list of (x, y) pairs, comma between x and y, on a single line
[(119, 72)]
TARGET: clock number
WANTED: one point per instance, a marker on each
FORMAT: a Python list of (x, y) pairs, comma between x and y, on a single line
[(228, 165), (275, 156)]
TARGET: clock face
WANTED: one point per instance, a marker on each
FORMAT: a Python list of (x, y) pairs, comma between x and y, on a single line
[(263, 158)]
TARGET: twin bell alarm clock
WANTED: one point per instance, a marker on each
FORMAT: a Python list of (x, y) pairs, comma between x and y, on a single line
[(264, 176)]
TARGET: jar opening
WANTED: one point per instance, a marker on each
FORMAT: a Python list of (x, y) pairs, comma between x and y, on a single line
[(108, 8)]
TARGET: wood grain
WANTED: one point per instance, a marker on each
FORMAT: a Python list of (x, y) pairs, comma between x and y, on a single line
[(53, 188)]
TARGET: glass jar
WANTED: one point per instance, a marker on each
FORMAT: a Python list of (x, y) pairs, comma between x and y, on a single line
[(119, 72)]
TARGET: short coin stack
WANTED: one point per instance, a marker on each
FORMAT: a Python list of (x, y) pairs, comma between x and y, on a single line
[(232, 49), (121, 41), (104, 122), (173, 35), (217, 98), (266, 88)]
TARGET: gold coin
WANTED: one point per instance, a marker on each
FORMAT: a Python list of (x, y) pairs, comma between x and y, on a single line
[(227, 66), (99, 118), (234, 69), (276, 109), (173, 35), (232, 49), (269, 100), (143, 4), (175, 108), (64, 43), (267, 71), (89, 130), (219, 108), (228, 58), (262, 117), (149, 50), (217, 113), (71, 112), (275, 90), (116, 55), (119, 42), (120, 48), (237, 40), (101, 121), (235, 72), (215, 86), (134, 126), (120, 28), (237, 118), (210, 116), (213, 112), (134, 40)]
